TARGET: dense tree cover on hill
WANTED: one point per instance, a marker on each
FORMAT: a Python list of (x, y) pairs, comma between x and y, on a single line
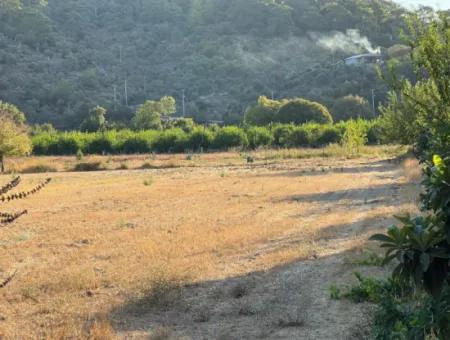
[(60, 58)]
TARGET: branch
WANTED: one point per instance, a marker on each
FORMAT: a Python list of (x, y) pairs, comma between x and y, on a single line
[(25, 194), (5, 282), (6, 218), (11, 185)]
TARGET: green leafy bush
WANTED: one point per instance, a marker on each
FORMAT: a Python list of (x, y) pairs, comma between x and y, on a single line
[(172, 140), (200, 139), (300, 111), (230, 137), (298, 137), (101, 143), (281, 133), (259, 136), (355, 136), (136, 144), (328, 135)]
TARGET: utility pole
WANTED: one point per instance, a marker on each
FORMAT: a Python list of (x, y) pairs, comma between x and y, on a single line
[(272, 95), (126, 93), (373, 104), (120, 54), (184, 104)]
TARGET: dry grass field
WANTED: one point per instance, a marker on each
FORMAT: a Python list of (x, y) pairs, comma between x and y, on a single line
[(206, 248)]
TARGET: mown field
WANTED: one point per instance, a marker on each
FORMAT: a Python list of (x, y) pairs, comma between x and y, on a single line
[(209, 247)]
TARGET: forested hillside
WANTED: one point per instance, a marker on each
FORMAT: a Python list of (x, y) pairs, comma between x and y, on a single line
[(59, 58)]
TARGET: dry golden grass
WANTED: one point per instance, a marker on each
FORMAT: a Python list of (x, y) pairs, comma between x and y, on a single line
[(123, 162), (95, 241)]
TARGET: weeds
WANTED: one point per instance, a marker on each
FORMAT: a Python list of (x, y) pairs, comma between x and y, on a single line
[(93, 166), (148, 182), (370, 259), (40, 168), (147, 166)]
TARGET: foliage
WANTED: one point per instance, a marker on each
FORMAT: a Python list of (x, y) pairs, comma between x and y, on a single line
[(172, 140), (14, 140), (96, 121), (186, 124), (299, 111), (259, 137), (421, 245), (201, 138), (404, 121), (6, 196), (351, 107), (148, 115), (264, 112), (88, 166), (355, 136), (230, 137), (12, 112), (297, 137), (222, 53)]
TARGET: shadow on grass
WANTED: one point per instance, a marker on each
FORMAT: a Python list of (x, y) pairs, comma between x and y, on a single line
[(385, 194), (289, 301)]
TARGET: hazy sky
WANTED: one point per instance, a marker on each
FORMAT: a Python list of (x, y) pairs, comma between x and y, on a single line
[(439, 4)]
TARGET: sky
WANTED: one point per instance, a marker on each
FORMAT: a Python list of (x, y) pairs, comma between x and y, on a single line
[(438, 4)]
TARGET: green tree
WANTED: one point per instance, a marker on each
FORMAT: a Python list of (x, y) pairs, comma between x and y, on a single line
[(11, 111), (264, 112), (421, 111), (299, 111), (403, 120), (96, 121), (148, 115), (355, 136), (351, 107), (14, 139)]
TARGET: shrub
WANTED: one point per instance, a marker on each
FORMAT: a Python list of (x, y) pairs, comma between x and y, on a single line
[(101, 143), (264, 112), (65, 144), (229, 137), (375, 132), (40, 168), (351, 107), (135, 144), (299, 136), (328, 135), (280, 133), (200, 138), (172, 140), (185, 124), (79, 155), (355, 136), (147, 166), (43, 142), (300, 111), (88, 166), (259, 136)]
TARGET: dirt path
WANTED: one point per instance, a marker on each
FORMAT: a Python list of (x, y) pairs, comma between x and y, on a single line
[(291, 301)]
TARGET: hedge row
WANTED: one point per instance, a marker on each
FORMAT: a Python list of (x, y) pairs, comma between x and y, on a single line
[(200, 138)]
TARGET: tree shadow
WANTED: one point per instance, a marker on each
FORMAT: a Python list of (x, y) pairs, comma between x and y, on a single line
[(382, 167), (382, 194), (289, 301)]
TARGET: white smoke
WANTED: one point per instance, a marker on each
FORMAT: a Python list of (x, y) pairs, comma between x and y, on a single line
[(351, 42)]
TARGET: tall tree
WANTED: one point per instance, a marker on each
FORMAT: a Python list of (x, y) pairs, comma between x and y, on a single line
[(148, 115), (14, 139)]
